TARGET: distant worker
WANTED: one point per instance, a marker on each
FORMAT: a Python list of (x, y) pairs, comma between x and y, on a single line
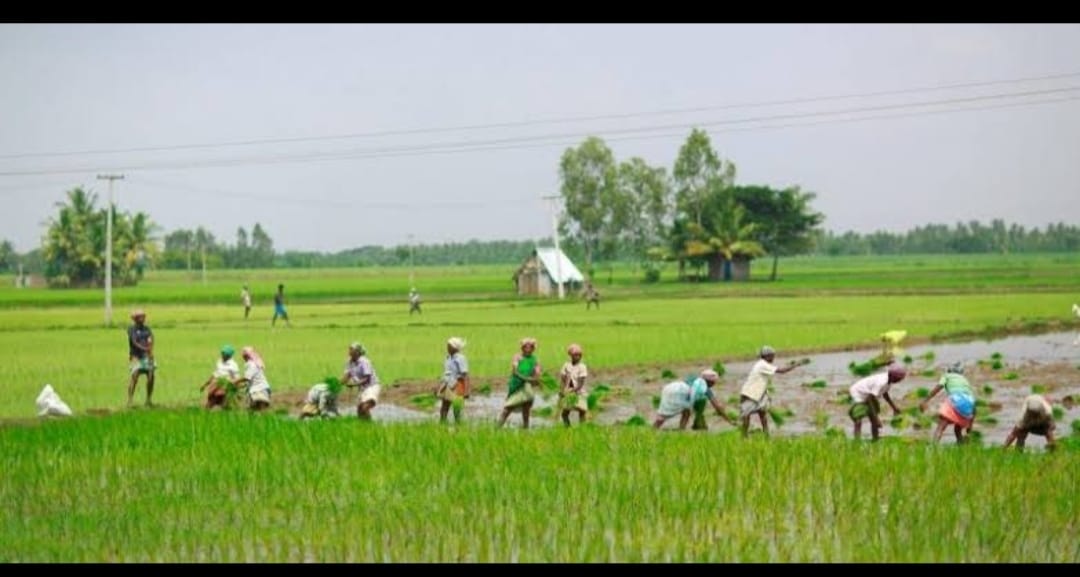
[(245, 298), (279, 306), (414, 302), (592, 296)]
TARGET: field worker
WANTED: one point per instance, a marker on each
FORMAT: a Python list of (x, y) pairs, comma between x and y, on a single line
[(226, 370), (681, 397), (360, 373), (754, 396), (321, 400), (279, 306), (140, 356), (866, 394), (454, 385), (1036, 418), (254, 379), (572, 395), (414, 302), (524, 375), (245, 298), (958, 408), (592, 296), (1076, 313)]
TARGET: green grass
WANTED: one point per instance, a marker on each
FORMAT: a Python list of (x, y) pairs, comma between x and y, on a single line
[(178, 486)]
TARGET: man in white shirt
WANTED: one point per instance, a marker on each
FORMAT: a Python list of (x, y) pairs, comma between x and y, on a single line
[(865, 394), (754, 397)]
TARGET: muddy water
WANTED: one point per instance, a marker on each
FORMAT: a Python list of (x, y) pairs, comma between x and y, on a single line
[(1048, 360)]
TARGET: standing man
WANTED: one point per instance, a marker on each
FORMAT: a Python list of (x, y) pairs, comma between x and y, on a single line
[(140, 356), (360, 373), (592, 296), (245, 297), (754, 397), (414, 302), (279, 306)]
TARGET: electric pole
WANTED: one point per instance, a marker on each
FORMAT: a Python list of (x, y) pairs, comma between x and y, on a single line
[(555, 231), (108, 246)]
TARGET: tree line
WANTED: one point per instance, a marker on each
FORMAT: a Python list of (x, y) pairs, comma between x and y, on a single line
[(696, 215)]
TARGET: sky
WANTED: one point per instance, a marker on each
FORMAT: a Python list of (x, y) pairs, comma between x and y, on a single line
[(339, 136)]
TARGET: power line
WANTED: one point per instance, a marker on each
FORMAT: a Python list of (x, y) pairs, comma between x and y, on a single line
[(367, 205), (465, 205), (538, 141), (523, 123)]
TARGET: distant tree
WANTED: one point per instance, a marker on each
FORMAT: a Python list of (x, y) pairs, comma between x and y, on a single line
[(785, 224), (590, 191), (75, 243), (648, 191), (7, 256), (262, 248)]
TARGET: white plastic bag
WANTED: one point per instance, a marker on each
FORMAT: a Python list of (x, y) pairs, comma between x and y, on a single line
[(49, 403)]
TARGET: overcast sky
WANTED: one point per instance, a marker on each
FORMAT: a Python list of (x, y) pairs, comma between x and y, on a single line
[(454, 132)]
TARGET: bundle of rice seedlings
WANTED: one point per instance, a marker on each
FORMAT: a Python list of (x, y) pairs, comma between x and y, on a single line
[(232, 392), (571, 399), (548, 382), (334, 385), (777, 416), (699, 416), (593, 400)]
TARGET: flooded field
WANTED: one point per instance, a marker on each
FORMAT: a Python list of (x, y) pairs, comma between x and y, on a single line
[(813, 399)]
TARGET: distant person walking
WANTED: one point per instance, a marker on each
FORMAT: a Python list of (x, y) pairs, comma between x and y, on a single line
[(245, 298), (414, 302), (279, 306)]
